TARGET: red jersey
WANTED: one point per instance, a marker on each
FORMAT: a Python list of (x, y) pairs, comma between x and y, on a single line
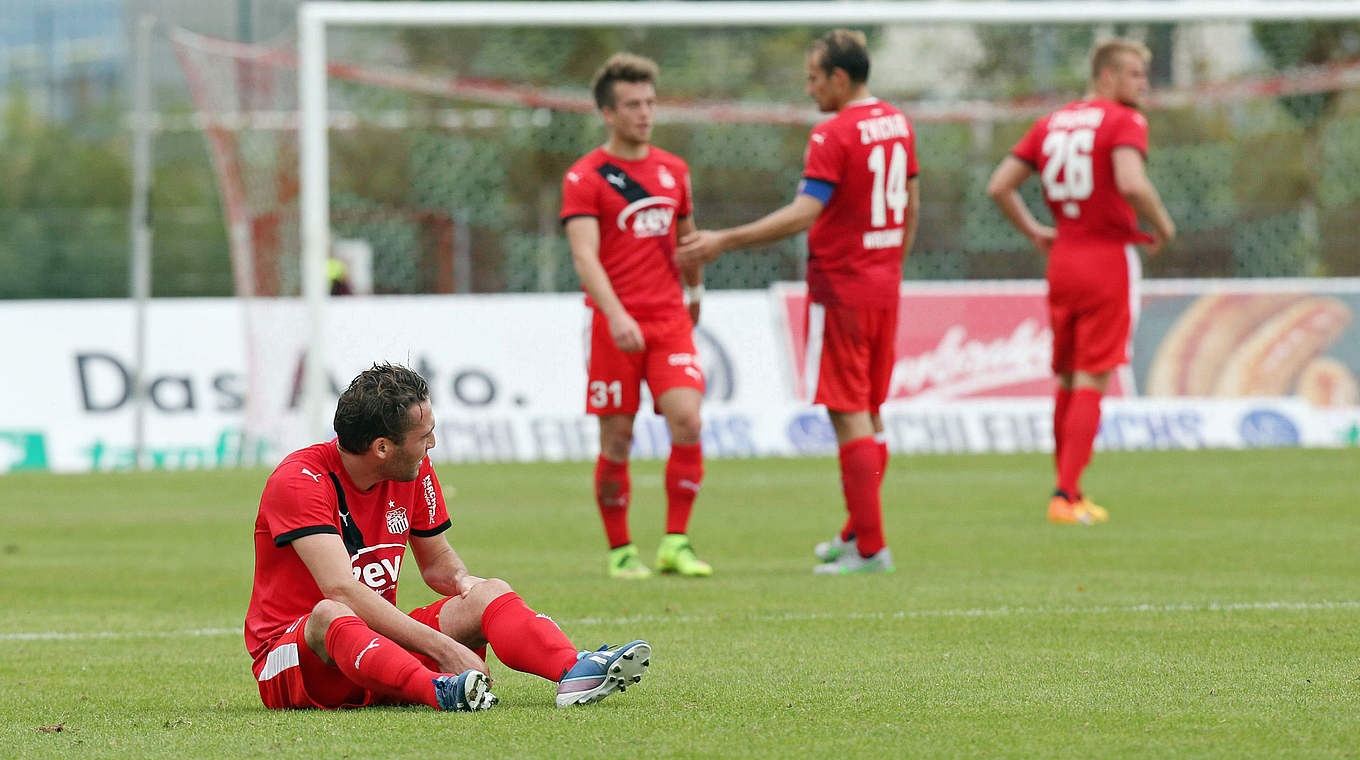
[(310, 493), (868, 152), (1072, 149), (636, 204)]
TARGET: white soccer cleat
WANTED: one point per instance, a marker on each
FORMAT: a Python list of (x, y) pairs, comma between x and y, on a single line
[(850, 563)]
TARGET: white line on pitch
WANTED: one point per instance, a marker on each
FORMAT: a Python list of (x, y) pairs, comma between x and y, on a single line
[(789, 617)]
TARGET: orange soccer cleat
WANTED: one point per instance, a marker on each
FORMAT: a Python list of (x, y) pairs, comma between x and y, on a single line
[(1063, 511), (1097, 513)]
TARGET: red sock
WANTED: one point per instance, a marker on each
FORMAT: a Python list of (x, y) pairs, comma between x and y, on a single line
[(377, 663), (1062, 400), (860, 479), (611, 496), (525, 640), (684, 474), (1080, 425), (848, 531)]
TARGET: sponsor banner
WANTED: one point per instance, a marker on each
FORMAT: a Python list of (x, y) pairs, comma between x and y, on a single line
[(1192, 339), (507, 378)]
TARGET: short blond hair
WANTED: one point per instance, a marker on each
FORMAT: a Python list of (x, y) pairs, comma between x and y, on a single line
[(621, 67), (1105, 55)]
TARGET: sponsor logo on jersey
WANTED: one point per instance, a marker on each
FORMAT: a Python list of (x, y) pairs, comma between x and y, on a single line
[(431, 502), (664, 177), (396, 519), (380, 575), (649, 217)]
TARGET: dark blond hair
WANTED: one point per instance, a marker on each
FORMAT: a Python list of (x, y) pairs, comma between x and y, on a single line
[(844, 49), (1105, 55), (621, 67)]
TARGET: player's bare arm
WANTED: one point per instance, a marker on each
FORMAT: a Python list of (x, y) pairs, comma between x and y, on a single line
[(440, 566), (583, 235), (913, 216), (706, 245), (326, 559), (692, 276), (1130, 177), (1004, 190)]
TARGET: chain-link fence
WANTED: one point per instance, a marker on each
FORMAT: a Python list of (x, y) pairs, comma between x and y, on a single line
[(448, 148)]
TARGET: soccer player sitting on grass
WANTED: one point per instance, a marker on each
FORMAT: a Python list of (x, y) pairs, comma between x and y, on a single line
[(334, 522)]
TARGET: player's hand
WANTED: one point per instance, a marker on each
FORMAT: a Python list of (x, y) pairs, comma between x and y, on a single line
[(1042, 237), (626, 333), (466, 584), (1159, 240), (457, 658), (694, 312), (699, 247)]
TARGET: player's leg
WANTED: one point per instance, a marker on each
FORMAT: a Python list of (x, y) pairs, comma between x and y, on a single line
[(492, 613), (612, 391), (1080, 428), (845, 387), (674, 376), (1062, 317), (340, 641)]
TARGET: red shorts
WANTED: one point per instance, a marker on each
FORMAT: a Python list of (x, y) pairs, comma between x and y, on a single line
[(849, 357), (614, 377), (1093, 309), (292, 676)]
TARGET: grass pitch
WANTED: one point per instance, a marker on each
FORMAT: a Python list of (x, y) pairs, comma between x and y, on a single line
[(1216, 615)]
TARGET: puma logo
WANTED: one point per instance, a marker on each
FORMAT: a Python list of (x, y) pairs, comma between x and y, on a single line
[(688, 485), (371, 645), (616, 180), (315, 478)]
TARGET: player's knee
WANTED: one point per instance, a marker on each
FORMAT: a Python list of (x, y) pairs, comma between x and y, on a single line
[(488, 590), (686, 428), (327, 610)]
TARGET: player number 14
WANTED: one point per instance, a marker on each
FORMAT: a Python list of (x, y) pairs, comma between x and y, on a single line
[(890, 186), (1069, 154)]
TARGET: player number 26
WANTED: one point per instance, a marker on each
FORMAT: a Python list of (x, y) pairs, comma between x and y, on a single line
[(601, 392), (1069, 154), (890, 185)]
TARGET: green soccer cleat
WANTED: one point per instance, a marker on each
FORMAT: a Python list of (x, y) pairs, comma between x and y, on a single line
[(624, 563), (675, 555)]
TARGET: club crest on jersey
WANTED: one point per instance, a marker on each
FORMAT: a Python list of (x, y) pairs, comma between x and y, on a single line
[(648, 217), (664, 177), (396, 519)]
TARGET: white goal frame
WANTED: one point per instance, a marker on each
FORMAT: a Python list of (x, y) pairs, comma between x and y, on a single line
[(315, 18)]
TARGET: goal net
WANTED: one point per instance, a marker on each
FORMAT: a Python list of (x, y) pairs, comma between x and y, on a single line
[(447, 144)]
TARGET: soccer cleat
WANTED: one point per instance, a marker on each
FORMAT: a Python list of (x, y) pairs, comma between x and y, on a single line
[(598, 674), (675, 555), (624, 563), (827, 551), (850, 563), (1097, 513), (1064, 512), (467, 692)]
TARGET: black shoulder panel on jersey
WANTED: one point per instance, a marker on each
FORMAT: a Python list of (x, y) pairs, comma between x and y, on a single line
[(354, 540), (283, 539), (436, 530), (623, 184)]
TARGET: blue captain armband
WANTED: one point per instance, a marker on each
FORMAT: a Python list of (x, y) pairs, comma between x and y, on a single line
[(817, 188)]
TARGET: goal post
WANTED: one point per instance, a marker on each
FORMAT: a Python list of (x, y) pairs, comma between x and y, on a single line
[(317, 19)]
